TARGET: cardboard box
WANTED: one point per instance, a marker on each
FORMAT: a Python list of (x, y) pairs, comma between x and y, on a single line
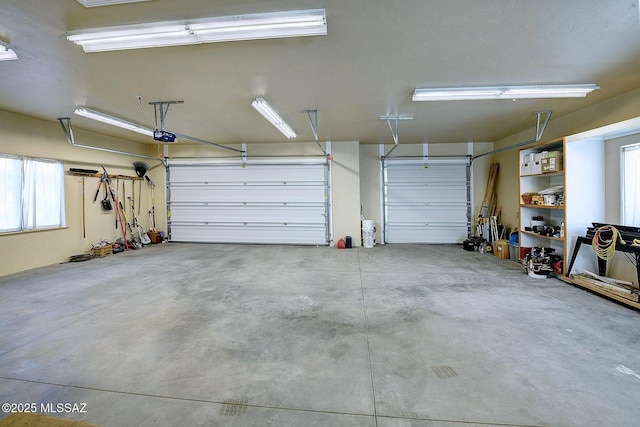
[(536, 168), (100, 251), (501, 249), (525, 169), (552, 163), (155, 236)]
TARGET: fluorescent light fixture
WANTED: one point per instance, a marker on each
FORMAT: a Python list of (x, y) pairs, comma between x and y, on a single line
[(503, 92), (295, 23), (7, 54), (270, 114), (114, 121), (94, 3)]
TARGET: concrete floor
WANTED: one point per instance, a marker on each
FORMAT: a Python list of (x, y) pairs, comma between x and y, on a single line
[(244, 335)]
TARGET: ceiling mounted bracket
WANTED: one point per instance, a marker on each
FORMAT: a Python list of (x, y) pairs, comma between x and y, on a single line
[(161, 109), (313, 121), (65, 122), (394, 128), (541, 127)]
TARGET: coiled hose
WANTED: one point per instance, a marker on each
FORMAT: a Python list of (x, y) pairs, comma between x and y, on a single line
[(606, 248)]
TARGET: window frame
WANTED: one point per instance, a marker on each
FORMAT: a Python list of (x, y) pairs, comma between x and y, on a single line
[(634, 147), (33, 172)]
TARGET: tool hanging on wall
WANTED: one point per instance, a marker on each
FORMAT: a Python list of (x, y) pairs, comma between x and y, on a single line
[(84, 219), (142, 235), (135, 242), (152, 212), (106, 203), (108, 185), (139, 196)]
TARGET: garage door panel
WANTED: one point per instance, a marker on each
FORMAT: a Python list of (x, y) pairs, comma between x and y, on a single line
[(237, 173), (421, 193), (260, 203), (424, 214), (230, 214), (410, 172), (425, 204), (435, 234), (247, 194), (306, 234)]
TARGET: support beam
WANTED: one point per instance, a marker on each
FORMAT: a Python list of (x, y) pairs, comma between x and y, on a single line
[(540, 128)]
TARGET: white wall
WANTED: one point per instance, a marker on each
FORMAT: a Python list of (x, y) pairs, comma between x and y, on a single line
[(346, 191), (27, 136)]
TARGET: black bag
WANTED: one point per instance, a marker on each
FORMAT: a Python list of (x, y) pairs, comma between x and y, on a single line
[(106, 203)]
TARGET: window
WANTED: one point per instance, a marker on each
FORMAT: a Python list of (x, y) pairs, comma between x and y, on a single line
[(31, 193), (631, 185)]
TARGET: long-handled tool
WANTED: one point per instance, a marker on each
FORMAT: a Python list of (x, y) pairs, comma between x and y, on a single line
[(152, 212), (136, 244), (102, 178), (84, 219), (118, 213), (142, 235)]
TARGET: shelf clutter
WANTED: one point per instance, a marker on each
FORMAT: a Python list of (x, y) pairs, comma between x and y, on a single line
[(541, 225), (543, 162)]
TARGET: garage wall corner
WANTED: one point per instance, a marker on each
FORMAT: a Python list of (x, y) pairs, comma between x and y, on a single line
[(345, 187)]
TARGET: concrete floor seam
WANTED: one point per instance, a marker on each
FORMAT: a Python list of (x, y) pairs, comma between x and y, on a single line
[(186, 399), (459, 422), (366, 330)]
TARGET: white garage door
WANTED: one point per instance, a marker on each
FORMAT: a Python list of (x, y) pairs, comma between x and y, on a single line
[(261, 202), (425, 202)]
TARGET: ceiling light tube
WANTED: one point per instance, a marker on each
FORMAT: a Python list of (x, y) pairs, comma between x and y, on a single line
[(7, 54), (273, 117), (295, 23), (94, 3), (114, 121), (503, 92)]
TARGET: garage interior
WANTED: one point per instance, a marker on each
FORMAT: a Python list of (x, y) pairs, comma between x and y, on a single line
[(211, 286)]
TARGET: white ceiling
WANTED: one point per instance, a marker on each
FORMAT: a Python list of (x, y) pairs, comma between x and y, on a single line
[(376, 52)]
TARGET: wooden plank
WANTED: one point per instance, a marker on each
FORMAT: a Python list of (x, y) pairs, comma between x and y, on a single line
[(603, 291)]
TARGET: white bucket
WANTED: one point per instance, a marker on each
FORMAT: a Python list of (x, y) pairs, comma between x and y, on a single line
[(368, 233), (368, 225)]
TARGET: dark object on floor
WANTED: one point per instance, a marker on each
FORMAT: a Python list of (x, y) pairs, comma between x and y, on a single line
[(472, 243), (80, 258)]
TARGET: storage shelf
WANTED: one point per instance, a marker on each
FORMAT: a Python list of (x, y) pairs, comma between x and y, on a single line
[(531, 233), (541, 206), (538, 175)]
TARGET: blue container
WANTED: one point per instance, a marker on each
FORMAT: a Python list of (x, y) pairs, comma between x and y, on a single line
[(513, 238)]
